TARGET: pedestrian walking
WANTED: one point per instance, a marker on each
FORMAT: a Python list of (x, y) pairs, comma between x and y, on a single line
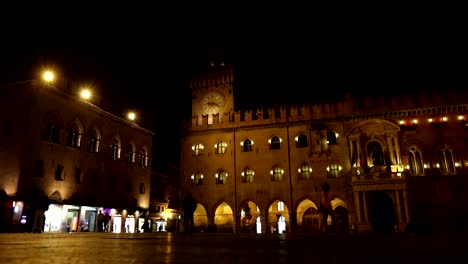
[(325, 207)]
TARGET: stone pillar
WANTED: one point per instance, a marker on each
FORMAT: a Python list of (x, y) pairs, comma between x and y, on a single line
[(391, 150), (357, 207), (405, 202), (398, 202), (364, 202)]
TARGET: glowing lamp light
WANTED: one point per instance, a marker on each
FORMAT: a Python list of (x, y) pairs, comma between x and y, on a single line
[(85, 94), (444, 119), (48, 76), (415, 121), (131, 116), (430, 120), (460, 117), (402, 122)]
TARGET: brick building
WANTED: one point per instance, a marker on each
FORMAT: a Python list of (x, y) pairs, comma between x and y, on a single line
[(67, 159), (394, 163)]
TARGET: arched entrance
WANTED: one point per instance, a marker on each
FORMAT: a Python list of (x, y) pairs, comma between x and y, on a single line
[(382, 213)]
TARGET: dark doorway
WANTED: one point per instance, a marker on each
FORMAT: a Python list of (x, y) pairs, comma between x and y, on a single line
[(382, 213)]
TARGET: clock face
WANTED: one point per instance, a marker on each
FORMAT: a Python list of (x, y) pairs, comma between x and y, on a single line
[(212, 103)]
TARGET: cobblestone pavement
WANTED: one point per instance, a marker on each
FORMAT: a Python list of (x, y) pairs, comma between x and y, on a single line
[(228, 248)]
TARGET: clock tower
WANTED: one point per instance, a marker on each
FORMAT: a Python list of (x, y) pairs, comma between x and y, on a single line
[(212, 93)]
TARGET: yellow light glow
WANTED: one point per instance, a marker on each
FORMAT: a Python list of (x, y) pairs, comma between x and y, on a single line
[(48, 76), (460, 117), (402, 122), (131, 116), (415, 121), (85, 94), (430, 120), (444, 118)]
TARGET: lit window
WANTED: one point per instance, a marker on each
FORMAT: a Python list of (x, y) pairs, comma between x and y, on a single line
[(305, 172), (280, 206), (197, 178), (94, 142), (131, 154), (115, 150), (248, 175), (301, 141), (275, 143), (197, 150), (334, 170), (416, 164), (221, 147), (276, 174), (143, 158), (221, 177), (74, 136)]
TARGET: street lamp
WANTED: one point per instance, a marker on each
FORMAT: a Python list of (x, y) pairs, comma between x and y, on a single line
[(131, 116), (85, 94), (48, 76)]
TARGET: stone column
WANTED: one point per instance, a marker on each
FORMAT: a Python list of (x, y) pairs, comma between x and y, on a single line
[(364, 202), (398, 202), (357, 207), (405, 202)]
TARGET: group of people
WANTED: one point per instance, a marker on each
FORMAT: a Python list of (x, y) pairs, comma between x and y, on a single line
[(103, 222)]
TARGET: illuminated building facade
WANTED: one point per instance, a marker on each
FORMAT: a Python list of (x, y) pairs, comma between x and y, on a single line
[(66, 159), (394, 163)]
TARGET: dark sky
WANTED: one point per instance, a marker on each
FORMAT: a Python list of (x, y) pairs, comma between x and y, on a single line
[(146, 66)]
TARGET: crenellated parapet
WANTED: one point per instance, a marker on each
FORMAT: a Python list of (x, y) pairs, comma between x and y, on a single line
[(222, 76)]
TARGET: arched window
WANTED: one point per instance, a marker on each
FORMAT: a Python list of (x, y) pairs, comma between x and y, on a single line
[(221, 147), (333, 170), (143, 158), (221, 177), (332, 138), (246, 145), (374, 150), (415, 161), (248, 175), (94, 141), (304, 172), (53, 127), (131, 154), (275, 142), (276, 174), (301, 141), (197, 150), (74, 135), (197, 178), (446, 163), (115, 149)]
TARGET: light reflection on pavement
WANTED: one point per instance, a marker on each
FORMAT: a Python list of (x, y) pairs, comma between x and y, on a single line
[(226, 248)]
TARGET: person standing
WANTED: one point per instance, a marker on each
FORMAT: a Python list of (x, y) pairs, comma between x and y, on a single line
[(190, 204), (100, 221), (326, 208)]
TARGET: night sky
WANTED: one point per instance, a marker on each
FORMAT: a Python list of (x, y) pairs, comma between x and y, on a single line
[(147, 68)]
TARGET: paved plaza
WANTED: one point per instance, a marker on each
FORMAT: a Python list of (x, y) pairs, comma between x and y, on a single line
[(228, 248)]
